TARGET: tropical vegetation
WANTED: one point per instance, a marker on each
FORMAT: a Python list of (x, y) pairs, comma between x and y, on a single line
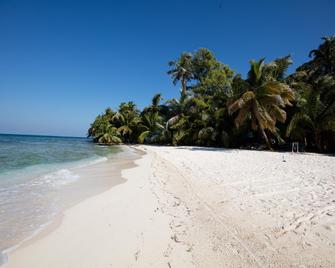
[(218, 107)]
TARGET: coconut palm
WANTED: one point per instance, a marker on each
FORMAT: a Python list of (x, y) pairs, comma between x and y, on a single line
[(181, 71), (177, 126), (103, 132), (92, 131), (217, 107), (323, 62), (110, 135), (324, 56), (313, 116), (262, 99), (151, 124), (155, 106), (126, 120), (316, 115), (191, 122), (151, 128)]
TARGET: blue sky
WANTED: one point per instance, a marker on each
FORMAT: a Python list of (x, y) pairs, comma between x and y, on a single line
[(63, 62)]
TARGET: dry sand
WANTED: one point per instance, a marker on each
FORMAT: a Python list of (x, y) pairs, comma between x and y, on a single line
[(200, 207)]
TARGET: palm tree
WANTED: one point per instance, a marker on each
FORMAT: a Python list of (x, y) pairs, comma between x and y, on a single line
[(110, 135), (181, 71), (103, 132), (151, 124), (262, 99), (92, 131), (190, 122), (323, 62), (154, 107), (217, 107), (126, 120), (316, 115), (177, 126), (152, 128), (324, 56)]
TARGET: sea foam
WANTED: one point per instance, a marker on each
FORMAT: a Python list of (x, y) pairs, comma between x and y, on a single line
[(60, 178)]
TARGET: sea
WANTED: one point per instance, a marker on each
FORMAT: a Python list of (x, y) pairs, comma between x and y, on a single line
[(40, 176)]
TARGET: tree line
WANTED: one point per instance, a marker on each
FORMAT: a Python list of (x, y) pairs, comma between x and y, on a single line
[(216, 107)]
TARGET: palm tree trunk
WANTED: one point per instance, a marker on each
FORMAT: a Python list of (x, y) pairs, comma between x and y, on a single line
[(266, 139), (318, 140), (183, 87), (256, 113)]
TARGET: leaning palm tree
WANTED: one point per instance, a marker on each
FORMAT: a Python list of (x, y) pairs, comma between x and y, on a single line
[(181, 71), (262, 99)]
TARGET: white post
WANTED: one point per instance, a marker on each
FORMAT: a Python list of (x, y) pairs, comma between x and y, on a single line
[(295, 147)]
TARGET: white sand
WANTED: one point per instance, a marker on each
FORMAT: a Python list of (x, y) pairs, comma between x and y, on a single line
[(200, 207)]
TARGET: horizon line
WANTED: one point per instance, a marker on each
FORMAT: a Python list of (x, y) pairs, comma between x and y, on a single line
[(42, 135)]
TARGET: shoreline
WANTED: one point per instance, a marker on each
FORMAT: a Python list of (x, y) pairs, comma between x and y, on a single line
[(117, 162), (58, 221), (196, 207)]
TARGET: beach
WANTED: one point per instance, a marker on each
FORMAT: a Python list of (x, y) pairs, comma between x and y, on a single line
[(198, 207)]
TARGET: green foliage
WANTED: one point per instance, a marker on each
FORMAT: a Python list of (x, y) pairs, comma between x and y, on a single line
[(102, 131), (263, 97), (315, 116), (313, 120), (181, 70), (217, 107)]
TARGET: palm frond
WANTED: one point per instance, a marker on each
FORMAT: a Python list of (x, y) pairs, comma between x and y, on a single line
[(156, 99), (298, 118), (117, 117), (239, 103), (143, 136), (179, 136), (172, 121), (277, 113), (242, 115)]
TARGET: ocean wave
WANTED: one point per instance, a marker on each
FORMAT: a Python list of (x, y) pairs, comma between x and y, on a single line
[(66, 176), (92, 162), (59, 178)]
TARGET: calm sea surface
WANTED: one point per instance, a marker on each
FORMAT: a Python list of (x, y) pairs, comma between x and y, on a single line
[(35, 171)]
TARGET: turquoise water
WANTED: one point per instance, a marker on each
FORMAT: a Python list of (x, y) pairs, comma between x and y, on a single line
[(36, 174), (21, 151)]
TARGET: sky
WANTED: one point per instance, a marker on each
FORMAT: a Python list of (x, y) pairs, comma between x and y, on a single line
[(64, 62)]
